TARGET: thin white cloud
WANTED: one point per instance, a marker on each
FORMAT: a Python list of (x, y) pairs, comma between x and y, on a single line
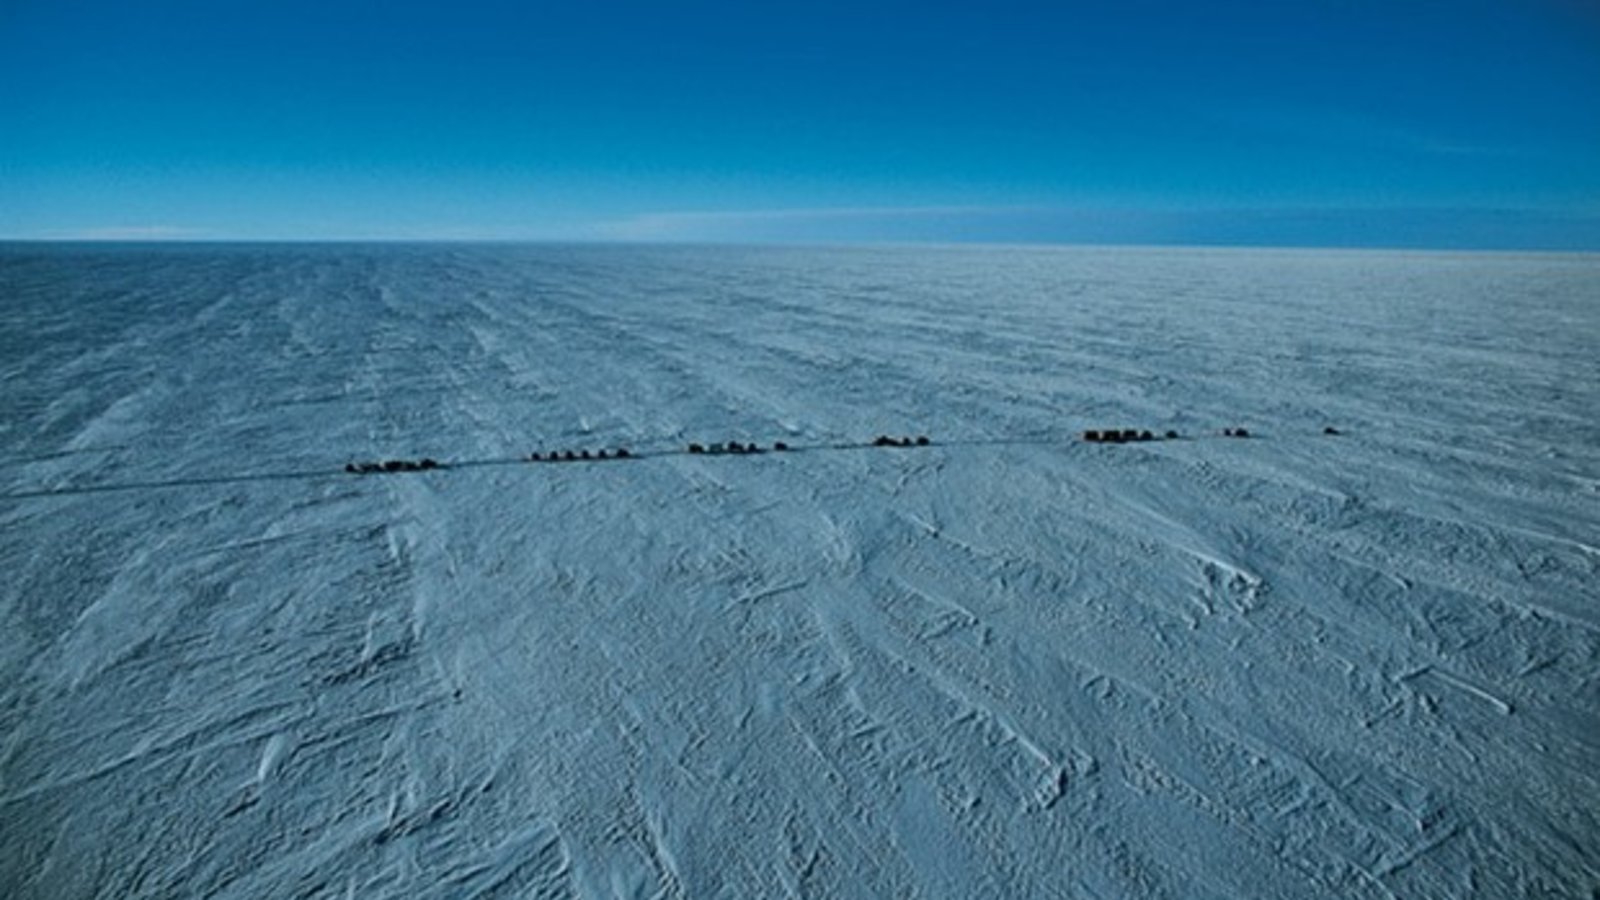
[(1289, 226), (699, 224), (129, 233)]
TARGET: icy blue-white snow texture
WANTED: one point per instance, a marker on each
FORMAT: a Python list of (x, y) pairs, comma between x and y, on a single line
[(1009, 665)]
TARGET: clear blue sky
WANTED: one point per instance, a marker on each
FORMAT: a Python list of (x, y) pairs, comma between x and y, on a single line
[(1465, 123)]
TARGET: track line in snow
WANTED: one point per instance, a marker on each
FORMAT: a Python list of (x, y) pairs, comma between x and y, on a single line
[(478, 463)]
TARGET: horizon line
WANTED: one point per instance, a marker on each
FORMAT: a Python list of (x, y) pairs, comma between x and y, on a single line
[(800, 243), (1482, 228)]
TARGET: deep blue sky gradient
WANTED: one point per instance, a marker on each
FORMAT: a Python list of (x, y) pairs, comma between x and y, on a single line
[(1341, 122)]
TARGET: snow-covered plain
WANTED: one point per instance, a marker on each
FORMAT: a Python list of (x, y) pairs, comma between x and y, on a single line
[(1011, 664)]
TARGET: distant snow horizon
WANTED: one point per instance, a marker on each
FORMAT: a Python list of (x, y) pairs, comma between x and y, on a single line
[(1253, 228)]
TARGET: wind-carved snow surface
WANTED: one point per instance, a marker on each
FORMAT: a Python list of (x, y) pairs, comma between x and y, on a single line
[(1011, 664)]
